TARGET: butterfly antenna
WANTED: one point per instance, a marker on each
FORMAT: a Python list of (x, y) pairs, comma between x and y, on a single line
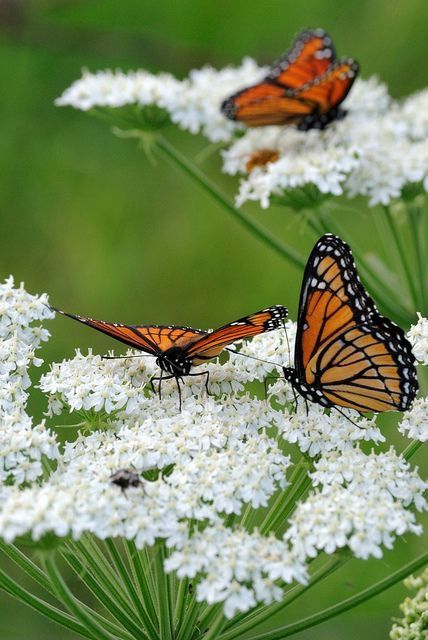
[(288, 341), (139, 355), (246, 355)]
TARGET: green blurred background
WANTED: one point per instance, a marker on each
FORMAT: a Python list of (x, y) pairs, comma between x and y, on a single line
[(86, 218)]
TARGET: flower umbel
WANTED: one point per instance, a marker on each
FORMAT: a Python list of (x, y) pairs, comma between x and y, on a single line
[(218, 462)]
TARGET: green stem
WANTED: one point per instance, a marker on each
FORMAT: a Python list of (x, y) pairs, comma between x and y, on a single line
[(299, 472), (288, 503), (72, 603), (245, 622), (263, 234), (164, 604), (46, 609), (411, 449), (188, 625), (403, 256), (389, 301), (146, 590), (27, 565), (86, 558), (417, 235), (180, 603), (123, 571), (345, 605), (103, 595), (216, 625)]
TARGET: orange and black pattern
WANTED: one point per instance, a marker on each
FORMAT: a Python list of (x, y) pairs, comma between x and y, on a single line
[(180, 348), (346, 353), (305, 87)]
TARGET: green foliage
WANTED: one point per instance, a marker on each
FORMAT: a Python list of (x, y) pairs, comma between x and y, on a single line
[(87, 218)]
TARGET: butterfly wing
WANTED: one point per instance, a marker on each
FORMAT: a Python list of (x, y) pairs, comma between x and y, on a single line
[(306, 81), (310, 55), (344, 347), (153, 339), (369, 368), (327, 91), (212, 344)]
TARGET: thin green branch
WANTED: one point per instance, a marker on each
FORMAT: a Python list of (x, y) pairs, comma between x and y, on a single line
[(415, 221), (144, 586), (104, 596), (89, 567), (403, 256), (264, 235), (377, 286), (345, 605), (411, 449), (27, 565), (72, 603), (52, 613), (164, 603), (138, 604)]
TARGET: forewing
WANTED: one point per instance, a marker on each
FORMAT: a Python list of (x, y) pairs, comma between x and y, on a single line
[(310, 56), (154, 339), (332, 300), (213, 343)]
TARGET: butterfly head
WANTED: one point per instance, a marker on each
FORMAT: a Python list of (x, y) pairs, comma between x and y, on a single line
[(175, 361)]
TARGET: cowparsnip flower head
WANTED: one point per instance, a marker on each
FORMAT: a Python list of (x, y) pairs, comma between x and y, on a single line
[(199, 467), (376, 151)]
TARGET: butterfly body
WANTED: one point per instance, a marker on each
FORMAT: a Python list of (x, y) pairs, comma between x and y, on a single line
[(179, 349), (175, 361), (305, 87), (347, 354)]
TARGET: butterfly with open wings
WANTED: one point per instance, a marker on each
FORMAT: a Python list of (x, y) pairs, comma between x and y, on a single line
[(304, 87), (179, 349), (346, 353)]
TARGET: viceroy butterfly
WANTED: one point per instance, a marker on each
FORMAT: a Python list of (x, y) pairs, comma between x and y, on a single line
[(179, 349), (304, 87), (346, 353)]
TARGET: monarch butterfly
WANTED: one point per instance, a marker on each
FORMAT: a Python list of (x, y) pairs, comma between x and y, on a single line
[(346, 353), (304, 87), (179, 349)]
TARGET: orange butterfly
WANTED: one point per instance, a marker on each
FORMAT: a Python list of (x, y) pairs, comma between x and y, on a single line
[(179, 349), (346, 353), (305, 87)]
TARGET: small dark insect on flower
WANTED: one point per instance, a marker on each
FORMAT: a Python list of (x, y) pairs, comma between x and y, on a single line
[(125, 478), (190, 588)]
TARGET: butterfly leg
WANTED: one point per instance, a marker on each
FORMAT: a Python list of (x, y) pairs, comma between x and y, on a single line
[(177, 379), (160, 378), (207, 377), (347, 417), (307, 407)]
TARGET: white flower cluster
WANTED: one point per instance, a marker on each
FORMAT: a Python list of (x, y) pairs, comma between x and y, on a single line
[(221, 454), (378, 149), (414, 623), (418, 337), (360, 502), (237, 567), (21, 445), (192, 103), (415, 421)]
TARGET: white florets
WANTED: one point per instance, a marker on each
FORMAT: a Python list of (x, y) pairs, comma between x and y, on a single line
[(418, 337), (220, 455), (379, 148), (22, 445)]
